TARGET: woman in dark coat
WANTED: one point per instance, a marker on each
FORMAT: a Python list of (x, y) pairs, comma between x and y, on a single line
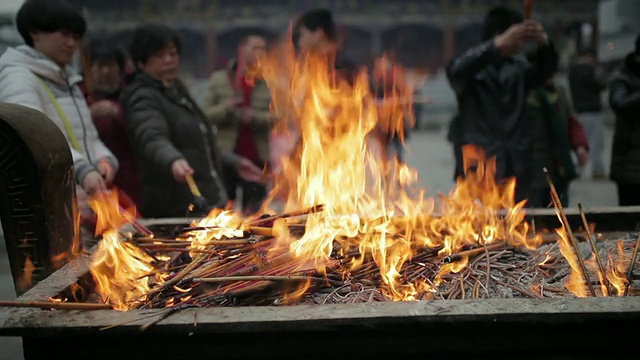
[(169, 132)]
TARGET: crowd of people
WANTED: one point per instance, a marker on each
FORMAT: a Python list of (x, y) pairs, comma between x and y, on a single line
[(132, 124), (510, 106)]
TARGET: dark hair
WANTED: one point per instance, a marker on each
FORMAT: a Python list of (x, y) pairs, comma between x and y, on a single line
[(319, 19), (588, 52), (553, 62), (148, 39), (498, 20), (102, 50), (48, 16)]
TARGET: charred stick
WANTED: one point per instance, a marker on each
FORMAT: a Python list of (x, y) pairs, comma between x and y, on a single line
[(176, 279), (461, 277), (280, 278), (164, 315), (565, 223), (472, 252), (634, 257), (601, 272), (518, 289), (486, 253), (56, 305), (131, 321)]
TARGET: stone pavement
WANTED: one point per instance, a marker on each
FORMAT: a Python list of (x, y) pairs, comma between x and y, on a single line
[(429, 153)]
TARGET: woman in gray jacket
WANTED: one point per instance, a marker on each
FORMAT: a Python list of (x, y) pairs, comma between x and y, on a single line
[(38, 75)]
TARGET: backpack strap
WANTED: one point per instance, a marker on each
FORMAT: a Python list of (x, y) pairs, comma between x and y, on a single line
[(62, 115)]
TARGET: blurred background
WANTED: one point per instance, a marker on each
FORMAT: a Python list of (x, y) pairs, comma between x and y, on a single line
[(423, 35)]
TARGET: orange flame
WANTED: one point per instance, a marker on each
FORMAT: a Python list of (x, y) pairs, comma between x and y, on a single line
[(25, 282), (575, 283), (118, 267), (373, 205), (217, 225), (617, 270)]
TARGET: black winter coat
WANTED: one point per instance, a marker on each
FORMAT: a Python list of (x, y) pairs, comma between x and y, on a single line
[(165, 124), (491, 92), (624, 98)]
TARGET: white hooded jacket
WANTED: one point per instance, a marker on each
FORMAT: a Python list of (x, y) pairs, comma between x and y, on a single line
[(21, 69)]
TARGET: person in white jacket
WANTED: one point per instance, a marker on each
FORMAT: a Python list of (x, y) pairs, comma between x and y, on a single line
[(38, 75)]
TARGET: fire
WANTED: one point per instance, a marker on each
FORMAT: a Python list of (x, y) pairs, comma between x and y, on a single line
[(617, 270), (217, 225), (575, 283), (371, 204), (118, 266), (25, 282)]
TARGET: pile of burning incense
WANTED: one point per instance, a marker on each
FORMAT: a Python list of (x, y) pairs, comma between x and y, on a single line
[(248, 270)]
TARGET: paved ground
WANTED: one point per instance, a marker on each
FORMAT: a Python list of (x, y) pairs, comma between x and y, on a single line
[(429, 152), (10, 348)]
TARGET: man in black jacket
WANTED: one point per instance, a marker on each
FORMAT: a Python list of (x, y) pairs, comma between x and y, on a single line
[(318, 34), (587, 83), (491, 82), (624, 98)]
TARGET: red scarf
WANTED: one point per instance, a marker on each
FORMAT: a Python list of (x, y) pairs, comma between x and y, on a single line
[(245, 142)]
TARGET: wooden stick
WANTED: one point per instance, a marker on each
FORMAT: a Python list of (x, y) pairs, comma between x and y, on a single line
[(192, 186), (262, 231), (311, 210), (528, 9), (602, 274), (56, 305), (565, 223), (633, 263)]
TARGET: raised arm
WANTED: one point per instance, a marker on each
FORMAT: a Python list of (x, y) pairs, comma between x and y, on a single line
[(463, 68)]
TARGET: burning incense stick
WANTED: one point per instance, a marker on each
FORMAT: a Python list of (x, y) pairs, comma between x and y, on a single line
[(602, 274), (565, 223), (56, 305), (528, 9), (311, 210), (631, 266), (192, 186)]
